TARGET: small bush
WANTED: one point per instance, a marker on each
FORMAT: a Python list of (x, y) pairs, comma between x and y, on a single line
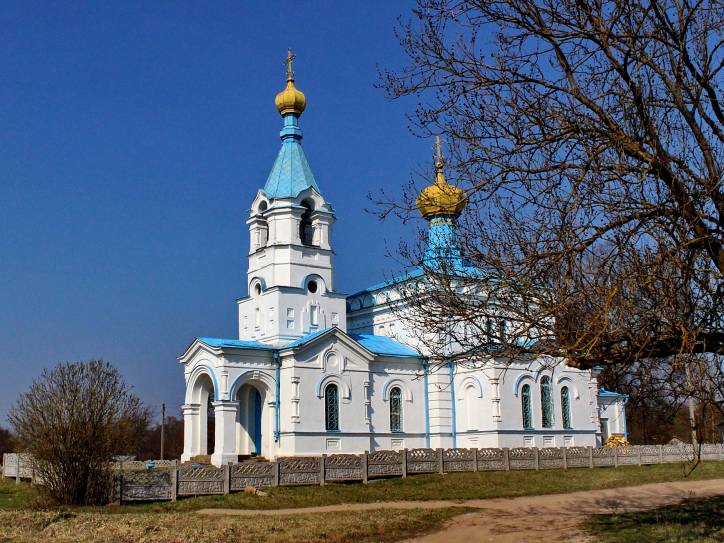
[(74, 418)]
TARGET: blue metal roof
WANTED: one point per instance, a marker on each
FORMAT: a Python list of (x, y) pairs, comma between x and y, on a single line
[(291, 173), (384, 346), (305, 339), (234, 343), (609, 393), (414, 272), (379, 345)]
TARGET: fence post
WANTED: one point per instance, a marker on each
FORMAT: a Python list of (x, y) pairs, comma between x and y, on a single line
[(615, 457), (475, 459), (321, 469), (363, 458), (565, 458), (17, 467), (227, 477), (537, 458), (275, 471), (661, 454), (506, 458), (590, 456), (174, 482), (639, 454), (404, 463), (441, 464)]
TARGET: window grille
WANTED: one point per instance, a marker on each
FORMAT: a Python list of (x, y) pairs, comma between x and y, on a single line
[(546, 400), (566, 407), (331, 405), (525, 401), (396, 410)]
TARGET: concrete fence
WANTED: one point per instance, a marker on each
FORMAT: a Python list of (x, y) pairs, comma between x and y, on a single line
[(168, 481)]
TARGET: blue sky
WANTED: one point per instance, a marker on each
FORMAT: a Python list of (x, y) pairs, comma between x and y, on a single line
[(133, 138)]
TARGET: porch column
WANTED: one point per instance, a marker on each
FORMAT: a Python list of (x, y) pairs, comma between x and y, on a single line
[(192, 443), (225, 432)]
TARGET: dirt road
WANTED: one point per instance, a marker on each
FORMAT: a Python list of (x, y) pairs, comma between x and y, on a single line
[(553, 517)]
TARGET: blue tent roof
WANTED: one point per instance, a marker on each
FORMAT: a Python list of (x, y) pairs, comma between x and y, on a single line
[(291, 173)]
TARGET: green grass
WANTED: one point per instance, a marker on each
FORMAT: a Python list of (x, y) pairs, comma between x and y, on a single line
[(16, 496), (700, 521), (381, 526), (453, 486)]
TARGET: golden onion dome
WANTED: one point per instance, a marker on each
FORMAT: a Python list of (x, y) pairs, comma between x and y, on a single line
[(291, 99), (441, 198)]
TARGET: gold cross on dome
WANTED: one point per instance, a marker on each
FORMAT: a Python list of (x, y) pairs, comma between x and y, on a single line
[(438, 149), (290, 57)]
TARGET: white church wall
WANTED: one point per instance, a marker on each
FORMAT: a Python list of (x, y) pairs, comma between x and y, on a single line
[(289, 313)]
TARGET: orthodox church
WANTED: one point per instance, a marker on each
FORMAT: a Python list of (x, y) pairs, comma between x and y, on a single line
[(316, 371)]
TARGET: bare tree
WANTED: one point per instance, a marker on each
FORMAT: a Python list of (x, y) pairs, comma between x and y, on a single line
[(588, 138), (73, 420), (7, 441)]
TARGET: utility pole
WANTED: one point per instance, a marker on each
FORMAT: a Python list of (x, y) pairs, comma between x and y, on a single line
[(163, 426)]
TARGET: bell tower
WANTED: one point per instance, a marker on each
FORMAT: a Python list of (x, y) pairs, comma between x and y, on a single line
[(291, 274)]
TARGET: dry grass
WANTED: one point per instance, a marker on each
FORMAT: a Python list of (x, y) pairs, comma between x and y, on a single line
[(348, 527)]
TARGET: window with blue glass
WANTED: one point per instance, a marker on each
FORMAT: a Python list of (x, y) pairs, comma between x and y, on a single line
[(396, 409), (566, 407), (331, 407), (546, 402), (527, 411)]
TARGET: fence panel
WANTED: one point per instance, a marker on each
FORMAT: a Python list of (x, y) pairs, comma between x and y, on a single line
[(649, 454), (522, 458), (577, 457), (711, 451), (676, 453), (458, 460), (422, 461), (256, 474), (145, 486), (550, 458), (299, 470), (384, 463), (194, 481), (627, 455), (490, 459), (604, 456), (343, 467)]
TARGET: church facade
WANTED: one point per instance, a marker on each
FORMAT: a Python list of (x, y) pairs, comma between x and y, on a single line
[(314, 371)]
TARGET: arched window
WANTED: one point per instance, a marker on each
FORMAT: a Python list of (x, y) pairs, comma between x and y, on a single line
[(546, 402), (525, 403), (306, 231), (566, 407), (331, 407), (396, 410)]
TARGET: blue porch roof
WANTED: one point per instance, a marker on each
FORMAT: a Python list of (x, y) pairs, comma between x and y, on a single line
[(379, 345), (384, 346)]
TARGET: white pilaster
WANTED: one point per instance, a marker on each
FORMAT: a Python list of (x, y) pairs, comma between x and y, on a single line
[(192, 445), (225, 433)]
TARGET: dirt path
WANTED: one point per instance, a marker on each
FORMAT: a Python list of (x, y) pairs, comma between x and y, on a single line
[(553, 517)]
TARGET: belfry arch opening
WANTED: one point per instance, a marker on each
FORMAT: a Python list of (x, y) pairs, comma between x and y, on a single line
[(306, 229)]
